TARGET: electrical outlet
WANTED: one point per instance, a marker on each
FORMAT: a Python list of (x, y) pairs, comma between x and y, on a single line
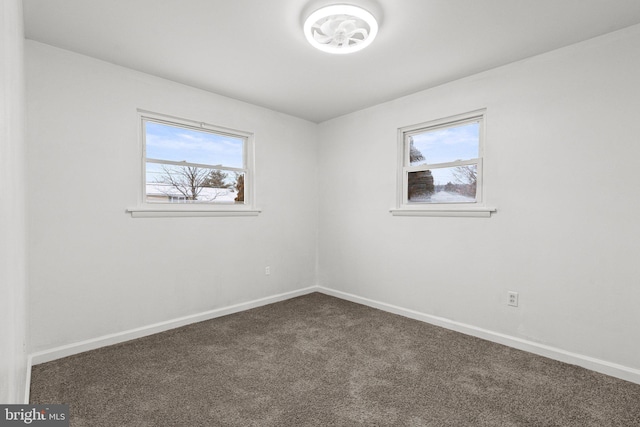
[(512, 298), (267, 271)]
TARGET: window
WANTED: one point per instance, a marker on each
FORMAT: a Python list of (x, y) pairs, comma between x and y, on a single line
[(440, 167), (194, 167)]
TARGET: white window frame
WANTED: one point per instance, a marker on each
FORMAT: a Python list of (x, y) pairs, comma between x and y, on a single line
[(146, 209), (472, 209)]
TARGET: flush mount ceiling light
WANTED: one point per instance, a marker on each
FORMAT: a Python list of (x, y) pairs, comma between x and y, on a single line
[(340, 28)]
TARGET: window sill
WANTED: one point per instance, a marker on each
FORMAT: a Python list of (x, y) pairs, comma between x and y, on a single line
[(188, 211), (479, 212)]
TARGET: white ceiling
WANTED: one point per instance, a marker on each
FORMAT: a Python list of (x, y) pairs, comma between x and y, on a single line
[(255, 51)]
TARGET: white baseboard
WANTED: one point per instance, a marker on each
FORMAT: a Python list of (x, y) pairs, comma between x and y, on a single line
[(27, 385), (106, 340), (602, 366)]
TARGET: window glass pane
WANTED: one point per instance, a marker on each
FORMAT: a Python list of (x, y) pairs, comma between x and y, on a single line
[(443, 185), (188, 184), (445, 144), (165, 142)]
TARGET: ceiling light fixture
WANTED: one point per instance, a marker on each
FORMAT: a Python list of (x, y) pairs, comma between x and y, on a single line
[(340, 29)]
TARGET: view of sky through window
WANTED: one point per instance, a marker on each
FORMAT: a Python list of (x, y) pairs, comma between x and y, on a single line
[(178, 144), (448, 144), (210, 165), (445, 145)]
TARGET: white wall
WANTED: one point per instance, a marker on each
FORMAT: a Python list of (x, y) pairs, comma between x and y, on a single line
[(13, 228), (561, 167), (94, 270)]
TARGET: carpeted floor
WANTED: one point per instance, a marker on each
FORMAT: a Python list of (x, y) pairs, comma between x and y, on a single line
[(321, 361)]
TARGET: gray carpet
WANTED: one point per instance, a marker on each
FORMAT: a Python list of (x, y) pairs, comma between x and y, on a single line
[(321, 361)]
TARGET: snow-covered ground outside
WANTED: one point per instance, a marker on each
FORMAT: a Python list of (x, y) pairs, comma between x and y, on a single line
[(166, 193), (444, 197)]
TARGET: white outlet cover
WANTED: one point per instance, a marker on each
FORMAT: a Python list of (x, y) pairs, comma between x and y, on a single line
[(512, 299)]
